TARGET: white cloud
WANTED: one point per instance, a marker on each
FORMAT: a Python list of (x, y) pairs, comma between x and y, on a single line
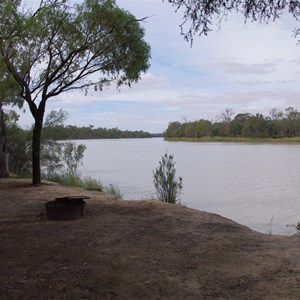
[(249, 67)]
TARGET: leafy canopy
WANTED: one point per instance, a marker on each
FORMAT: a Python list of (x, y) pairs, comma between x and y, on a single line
[(199, 15), (59, 48), (9, 90)]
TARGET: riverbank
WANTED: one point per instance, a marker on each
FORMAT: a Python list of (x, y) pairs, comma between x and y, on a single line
[(218, 139), (135, 250)]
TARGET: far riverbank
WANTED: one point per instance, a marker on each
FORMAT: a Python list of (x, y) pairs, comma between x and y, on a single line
[(219, 139)]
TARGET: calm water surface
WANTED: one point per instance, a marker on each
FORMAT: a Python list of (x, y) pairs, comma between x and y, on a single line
[(257, 185)]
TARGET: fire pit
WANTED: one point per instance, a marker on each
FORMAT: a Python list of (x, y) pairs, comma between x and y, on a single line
[(66, 208)]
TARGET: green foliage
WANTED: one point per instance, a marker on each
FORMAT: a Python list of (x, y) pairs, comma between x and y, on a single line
[(55, 118), (92, 184), (10, 117), (9, 94), (59, 48), (176, 130), (9, 89), (198, 129), (52, 156), (168, 188), (220, 139), (19, 150), (65, 179), (200, 15), (55, 156), (298, 226), (72, 155), (71, 132), (60, 160), (87, 183), (75, 181), (114, 190), (277, 125)]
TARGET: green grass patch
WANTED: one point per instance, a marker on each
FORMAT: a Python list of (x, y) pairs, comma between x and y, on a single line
[(76, 181), (87, 183)]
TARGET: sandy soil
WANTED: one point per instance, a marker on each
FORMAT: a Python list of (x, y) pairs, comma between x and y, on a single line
[(135, 250)]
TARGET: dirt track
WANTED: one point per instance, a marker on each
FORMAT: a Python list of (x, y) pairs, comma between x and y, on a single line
[(136, 250)]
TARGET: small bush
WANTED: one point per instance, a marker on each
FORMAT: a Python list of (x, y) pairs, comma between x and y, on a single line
[(168, 188), (92, 184), (72, 156), (114, 190)]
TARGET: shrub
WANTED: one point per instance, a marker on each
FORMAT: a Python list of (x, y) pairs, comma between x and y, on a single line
[(114, 190), (73, 156), (168, 188)]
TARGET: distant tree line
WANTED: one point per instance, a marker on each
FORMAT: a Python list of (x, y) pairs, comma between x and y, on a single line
[(71, 132), (56, 152), (279, 124), (55, 129)]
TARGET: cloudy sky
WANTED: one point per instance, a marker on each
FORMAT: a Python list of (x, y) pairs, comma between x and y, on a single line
[(247, 67)]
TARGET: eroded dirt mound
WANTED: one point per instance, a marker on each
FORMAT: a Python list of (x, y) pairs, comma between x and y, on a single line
[(135, 250)]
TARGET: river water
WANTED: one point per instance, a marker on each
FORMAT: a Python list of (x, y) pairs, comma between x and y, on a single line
[(257, 185)]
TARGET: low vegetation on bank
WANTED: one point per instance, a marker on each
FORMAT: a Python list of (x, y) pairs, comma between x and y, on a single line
[(87, 183)]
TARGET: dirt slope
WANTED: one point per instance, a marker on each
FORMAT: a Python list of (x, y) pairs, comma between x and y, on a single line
[(135, 250)]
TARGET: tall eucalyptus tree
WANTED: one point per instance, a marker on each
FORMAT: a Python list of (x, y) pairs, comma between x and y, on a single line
[(58, 48)]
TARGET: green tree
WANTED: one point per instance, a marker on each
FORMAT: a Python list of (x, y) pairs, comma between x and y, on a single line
[(199, 129), (225, 119), (9, 94), (257, 126), (59, 48), (53, 128), (18, 145), (72, 156), (277, 116), (168, 187), (238, 123), (175, 130), (199, 15), (292, 122), (3, 147)]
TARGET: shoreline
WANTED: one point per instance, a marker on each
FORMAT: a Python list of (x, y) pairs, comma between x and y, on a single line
[(237, 140), (136, 250)]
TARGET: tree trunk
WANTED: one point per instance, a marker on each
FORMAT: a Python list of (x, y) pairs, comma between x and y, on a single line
[(3, 153), (36, 149)]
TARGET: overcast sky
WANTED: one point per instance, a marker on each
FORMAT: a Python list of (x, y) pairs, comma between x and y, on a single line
[(249, 68)]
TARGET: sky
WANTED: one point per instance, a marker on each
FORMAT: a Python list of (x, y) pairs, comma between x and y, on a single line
[(248, 67)]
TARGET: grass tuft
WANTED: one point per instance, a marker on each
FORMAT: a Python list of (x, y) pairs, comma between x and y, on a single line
[(114, 190), (87, 183)]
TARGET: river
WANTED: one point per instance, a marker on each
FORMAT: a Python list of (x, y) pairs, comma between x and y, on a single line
[(256, 185)]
